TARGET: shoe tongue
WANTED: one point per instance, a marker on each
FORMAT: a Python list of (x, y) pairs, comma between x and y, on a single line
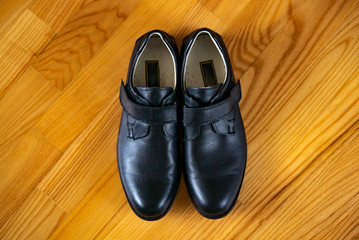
[(204, 95), (155, 95)]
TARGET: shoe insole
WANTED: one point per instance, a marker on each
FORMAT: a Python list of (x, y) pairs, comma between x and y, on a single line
[(155, 65), (204, 63)]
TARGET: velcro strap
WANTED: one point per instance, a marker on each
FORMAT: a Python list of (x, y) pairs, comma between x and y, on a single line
[(206, 115), (151, 115)]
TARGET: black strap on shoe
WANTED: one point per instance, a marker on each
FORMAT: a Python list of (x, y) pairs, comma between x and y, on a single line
[(147, 114), (206, 115)]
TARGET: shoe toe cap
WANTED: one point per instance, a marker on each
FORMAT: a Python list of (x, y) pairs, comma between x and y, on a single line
[(214, 208), (149, 199), (214, 197), (149, 209)]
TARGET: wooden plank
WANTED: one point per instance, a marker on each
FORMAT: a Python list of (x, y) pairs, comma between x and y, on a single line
[(284, 149), (326, 193), (21, 170), (198, 16), (55, 13), (10, 10), (252, 26), (36, 218), (211, 5), (22, 106), (86, 224), (345, 222), (300, 53), (81, 38), (18, 44), (86, 160), (254, 16)]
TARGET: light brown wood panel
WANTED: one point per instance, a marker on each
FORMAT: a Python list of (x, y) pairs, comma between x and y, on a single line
[(55, 13), (300, 103), (36, 218), (211, 5), (253, 28), (104, 200), (31, 31), (10, 10), (260, 16), (22, 167), (299, 67), (86, 160), (81, 38), (326, 193), (197, 16), (289, 54), (18, 44), (264, 170), (23, 104)]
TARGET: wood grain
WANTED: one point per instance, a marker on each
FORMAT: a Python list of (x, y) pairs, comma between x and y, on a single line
[(80, 39), (88, 224), (329, 186), (36, 218), (55, 13), (19, 43), (61, 65), (86, 160), (251, 30), (22, 167), (10, 10), (22, 106)]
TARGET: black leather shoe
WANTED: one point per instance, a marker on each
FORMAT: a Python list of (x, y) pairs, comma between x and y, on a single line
[(215, 148), (147, 149)]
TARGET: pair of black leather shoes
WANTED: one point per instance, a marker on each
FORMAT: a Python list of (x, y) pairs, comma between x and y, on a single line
[(190, 104)]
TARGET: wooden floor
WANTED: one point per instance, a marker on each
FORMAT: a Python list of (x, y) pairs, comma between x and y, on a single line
[(61, 64)]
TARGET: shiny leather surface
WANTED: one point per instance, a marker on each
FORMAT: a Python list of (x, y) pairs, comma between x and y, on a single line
[(147, 149), (215, 149)]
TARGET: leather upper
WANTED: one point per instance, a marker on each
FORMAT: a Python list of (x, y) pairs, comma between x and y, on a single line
[(215, 148), (147, 149)]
